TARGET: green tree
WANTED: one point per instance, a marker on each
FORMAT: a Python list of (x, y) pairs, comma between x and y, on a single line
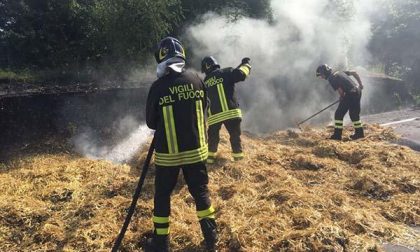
[(54, 33), (129, 29), (396, 40), (40, 33), (69, 35), (233, 8)]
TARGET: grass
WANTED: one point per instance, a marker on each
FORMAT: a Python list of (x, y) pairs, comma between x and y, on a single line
[(7, 75), (292, 192)]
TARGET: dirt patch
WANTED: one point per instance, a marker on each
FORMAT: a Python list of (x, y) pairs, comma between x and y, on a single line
[(325, 151), (227, 192), (371, 188), (302, 162)]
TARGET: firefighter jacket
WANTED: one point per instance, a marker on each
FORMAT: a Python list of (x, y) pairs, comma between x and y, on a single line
[(175, 108), (343, 81), (220, 85)]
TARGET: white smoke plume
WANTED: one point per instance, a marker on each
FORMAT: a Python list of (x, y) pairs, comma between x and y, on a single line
[(87, 144), (282, 88)]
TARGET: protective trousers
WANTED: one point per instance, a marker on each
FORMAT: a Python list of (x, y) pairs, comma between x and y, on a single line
[(196, 178), (351, 103), (233, 126)]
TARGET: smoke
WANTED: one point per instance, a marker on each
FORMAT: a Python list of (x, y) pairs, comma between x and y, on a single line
[(144, 74), (87, 143), (285, 52)]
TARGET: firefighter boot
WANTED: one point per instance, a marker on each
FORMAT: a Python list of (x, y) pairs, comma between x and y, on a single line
[(337, 134), (209, 229), (158, 243), (358, 133)]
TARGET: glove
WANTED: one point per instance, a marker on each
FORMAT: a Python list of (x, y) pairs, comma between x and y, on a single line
[(245, 60)]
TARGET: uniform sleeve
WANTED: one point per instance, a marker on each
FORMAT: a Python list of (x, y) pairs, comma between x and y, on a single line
[(151, 109), (241, 72)]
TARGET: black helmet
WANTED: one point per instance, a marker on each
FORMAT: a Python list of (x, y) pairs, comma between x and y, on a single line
[(168, 48), (208, 64), (323, 70)]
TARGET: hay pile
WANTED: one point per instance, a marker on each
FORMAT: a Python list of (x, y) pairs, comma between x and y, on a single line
[(293, 192)]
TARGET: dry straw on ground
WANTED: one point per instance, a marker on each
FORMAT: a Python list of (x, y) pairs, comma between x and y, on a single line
[(293, 192)]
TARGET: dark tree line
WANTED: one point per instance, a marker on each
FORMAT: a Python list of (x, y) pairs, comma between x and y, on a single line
[(75, 34), (51, 33)]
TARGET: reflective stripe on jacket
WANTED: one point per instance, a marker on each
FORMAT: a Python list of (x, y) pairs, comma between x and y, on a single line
[(175, 108), (220, 84)]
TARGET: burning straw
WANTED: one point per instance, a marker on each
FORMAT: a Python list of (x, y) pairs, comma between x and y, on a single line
[(293, 192)]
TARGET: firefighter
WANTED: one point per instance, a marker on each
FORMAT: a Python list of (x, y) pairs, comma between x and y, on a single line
[(175, 109), (350, 94), (224, 108)]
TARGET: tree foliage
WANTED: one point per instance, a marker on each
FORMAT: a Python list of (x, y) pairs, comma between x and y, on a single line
[(396, 40), (232, 8), (42, 33), (52, 33), (62, 33), (129, 29)]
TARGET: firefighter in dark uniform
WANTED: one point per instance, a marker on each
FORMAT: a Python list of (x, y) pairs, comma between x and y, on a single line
[(175, 108), (224, 108), (350, 95)]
